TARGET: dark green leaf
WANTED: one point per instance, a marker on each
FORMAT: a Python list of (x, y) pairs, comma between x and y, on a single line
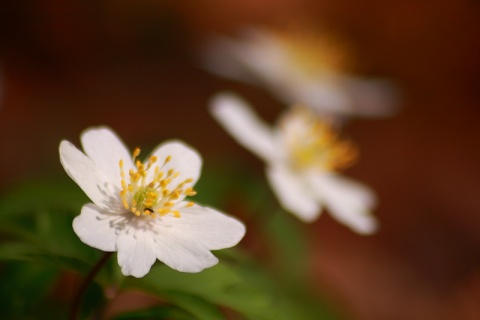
[(196, 306), (24, 289), (156, 313)]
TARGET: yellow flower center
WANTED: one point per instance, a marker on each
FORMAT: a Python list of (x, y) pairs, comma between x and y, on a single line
[(315, 54), (313, 143), (155, 196)]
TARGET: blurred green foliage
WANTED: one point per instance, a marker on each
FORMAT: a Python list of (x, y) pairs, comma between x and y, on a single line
[(38, 248)]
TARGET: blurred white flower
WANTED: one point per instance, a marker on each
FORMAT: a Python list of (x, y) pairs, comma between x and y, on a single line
[(301, 67), (303, 155), (139, 208)]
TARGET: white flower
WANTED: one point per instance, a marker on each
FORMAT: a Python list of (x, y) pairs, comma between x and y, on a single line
[(302, 155), (301, 67), (139, 208)]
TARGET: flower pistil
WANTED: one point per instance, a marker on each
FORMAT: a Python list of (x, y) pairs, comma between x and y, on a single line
[(313, 142), (145, 196)]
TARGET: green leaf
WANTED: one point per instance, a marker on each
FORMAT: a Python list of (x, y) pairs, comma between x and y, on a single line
[(196, 306), (36, 225), (155, 313), (24, 288), (19, 252), (225, 179), (289, 245), (31, 196), (36, 232), (93, 301), (34, 254), (218, 285), (54, 229)]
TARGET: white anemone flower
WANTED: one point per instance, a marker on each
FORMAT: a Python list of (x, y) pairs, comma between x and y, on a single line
[(301, 67), (303, 155), (139, 208)]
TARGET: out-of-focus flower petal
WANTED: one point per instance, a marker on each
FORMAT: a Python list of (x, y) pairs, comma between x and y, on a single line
[(242, 123), (293, 194), (372, 98), (322, 95), (302, 66), (348, 201)]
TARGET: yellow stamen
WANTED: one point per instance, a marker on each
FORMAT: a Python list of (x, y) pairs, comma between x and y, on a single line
[(314, 143), (315, 53), (136, 153), (157, 196)]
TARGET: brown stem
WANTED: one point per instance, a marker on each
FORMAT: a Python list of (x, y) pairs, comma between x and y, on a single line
[(77, 299)]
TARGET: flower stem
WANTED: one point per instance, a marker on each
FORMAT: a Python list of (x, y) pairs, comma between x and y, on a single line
[(77, 299)]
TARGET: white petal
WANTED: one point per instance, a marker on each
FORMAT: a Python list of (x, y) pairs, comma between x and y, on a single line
[(183, 253), (106, 150), (323, 95), (293, 194), (348, 201), (184, 159), (223, 57), (242, 123), (88, 176), (136, 251), (215, 230), (264, 56), (372, 97), (255, 57), (96, 228)]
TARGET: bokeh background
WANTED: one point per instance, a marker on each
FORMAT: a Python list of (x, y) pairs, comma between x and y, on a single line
[(134, 65)]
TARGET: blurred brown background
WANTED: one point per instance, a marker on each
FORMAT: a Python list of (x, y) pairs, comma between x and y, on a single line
[(69, 64)]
